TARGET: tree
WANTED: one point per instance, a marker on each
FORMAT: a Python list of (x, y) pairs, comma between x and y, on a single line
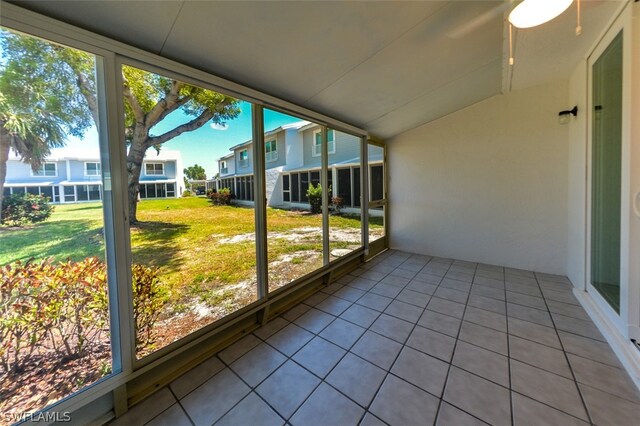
[(148, 99), (195, 172), (41, 99)]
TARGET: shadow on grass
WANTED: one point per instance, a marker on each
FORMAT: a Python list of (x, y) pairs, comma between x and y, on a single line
[(153, 243), (73, 239)]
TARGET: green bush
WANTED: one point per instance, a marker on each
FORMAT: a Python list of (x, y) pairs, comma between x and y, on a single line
[(23, 209), (64, 307), (314, 193), (186, 193), (222, 197)]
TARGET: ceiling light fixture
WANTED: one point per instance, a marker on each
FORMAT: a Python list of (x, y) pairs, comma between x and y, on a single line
[(531, 13)]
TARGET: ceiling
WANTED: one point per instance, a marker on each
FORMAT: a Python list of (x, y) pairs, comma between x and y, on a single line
[(385, 66)]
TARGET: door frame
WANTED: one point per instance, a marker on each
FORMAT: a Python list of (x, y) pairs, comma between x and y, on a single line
[(629, 279)]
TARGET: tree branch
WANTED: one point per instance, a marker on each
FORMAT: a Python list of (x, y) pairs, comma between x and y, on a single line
[(89, 95), (170, 103), (138, 113), (194, 124)]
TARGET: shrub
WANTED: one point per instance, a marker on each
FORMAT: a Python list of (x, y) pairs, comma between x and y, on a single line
[(338, 204), (22, 209), (64, 307), (77, 311), (148, 299), (23, 322), (221, 198), (186, 193), (314, 193)]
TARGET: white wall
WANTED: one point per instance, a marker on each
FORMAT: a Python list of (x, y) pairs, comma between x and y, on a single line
[(487, 183), (577, 189)]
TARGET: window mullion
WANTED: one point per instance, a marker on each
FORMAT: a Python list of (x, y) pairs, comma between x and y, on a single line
[(260, 199)]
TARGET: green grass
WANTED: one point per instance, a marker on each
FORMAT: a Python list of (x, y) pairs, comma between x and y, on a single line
[(182, 237)]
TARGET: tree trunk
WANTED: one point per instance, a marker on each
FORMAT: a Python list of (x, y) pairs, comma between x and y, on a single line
[(5, 146), (134, 166)]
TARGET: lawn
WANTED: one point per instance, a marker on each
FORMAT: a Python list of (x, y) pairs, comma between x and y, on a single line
[(205, 253), (205, 257)]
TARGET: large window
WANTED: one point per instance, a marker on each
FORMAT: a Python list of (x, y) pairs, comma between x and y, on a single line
[(201, 254), (154, 169), (294, 228), (54, 299), (345, 222), (46, 169), (271, 151)]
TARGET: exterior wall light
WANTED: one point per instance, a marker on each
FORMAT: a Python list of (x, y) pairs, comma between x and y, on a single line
[(565, 116)]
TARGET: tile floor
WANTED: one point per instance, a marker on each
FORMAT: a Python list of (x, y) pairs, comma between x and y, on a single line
[(412, 340)]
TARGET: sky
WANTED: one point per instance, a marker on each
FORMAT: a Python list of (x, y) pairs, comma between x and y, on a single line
[(202, 146)]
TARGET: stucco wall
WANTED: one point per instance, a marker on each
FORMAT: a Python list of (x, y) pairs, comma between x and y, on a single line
[(487, 183)]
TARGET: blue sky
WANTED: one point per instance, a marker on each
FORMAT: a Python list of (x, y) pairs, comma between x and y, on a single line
[(204, 145)]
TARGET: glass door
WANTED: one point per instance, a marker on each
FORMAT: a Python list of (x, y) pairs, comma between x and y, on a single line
[(606, 173)]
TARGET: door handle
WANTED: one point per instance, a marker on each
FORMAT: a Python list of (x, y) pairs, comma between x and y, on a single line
[(636, 204)]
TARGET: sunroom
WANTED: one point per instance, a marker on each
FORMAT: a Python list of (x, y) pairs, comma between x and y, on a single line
[(485, 272)]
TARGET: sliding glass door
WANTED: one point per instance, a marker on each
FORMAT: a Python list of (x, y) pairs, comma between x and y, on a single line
[(606, 172)]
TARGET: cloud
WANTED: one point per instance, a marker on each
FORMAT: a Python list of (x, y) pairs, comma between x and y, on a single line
[(219, 126)]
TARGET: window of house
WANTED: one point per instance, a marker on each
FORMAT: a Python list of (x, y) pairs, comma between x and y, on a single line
[(295, 193), (46, 169), (92, 169), (304, 186), (317, 142), (271, 149), (171, 190), (154, 169), (244, 158), (344, 186), (286, 188)]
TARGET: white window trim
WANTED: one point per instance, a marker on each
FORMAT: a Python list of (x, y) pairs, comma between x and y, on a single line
[(243, 162), (331, 144), (153, 174), (271, 156), (55, 165), (92, 162)]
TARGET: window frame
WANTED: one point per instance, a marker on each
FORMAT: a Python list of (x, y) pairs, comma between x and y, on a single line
[(154, 163), (98, 168), (110, 56), (273, 151), (243, 163), (43, 168), (316, 149)]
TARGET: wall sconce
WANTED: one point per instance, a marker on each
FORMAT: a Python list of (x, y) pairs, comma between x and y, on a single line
[(565, 116)]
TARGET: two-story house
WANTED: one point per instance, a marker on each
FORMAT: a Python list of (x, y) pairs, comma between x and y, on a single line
[(65, 178), (293, 160)]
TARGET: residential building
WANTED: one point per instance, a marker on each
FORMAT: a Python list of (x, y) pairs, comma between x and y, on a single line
[(293, 161), (67, 178)]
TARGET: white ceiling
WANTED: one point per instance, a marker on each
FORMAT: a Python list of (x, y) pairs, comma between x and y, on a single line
[(385, 66)]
